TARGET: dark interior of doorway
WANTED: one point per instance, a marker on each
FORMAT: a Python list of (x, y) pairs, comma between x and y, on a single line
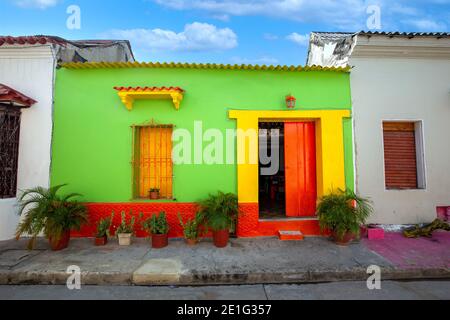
[(272, 198)]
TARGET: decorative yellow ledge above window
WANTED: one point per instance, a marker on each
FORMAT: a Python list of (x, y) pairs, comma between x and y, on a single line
[(129, 94)]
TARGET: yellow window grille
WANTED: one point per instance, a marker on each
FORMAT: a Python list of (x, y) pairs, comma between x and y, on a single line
[(153, 167)]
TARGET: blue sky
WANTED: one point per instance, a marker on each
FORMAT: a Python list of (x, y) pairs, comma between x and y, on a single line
[(220, 31)]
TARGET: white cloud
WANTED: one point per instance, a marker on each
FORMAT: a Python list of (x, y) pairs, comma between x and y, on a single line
[(347, 15), (426, 25), (341, 14), (300, 39), (195, 37), (40, 4), (266, 60)]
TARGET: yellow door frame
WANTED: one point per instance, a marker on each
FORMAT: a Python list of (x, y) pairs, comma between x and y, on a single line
[(329, 139)]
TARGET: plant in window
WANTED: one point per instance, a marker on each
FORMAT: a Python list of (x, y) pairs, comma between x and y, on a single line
[(220, 212), (343, 213), (44, 210), (154, 194), (125, 230), (158, 227)]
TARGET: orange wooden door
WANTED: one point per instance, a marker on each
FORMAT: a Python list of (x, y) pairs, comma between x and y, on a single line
[(301, 178)]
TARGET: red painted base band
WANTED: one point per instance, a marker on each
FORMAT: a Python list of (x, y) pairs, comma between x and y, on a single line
[(98, 211), (248, 223)]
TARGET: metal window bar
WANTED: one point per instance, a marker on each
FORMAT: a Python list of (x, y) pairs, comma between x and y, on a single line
[(9, 151), (152, 160)]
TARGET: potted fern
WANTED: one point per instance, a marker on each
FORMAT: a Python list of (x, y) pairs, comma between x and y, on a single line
[(191, 228), (158, 227), (343, 213), (220, 212), (125, 230), (44, 210), (103, 226)]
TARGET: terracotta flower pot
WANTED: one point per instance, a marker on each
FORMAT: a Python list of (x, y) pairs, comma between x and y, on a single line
[(344, 240), (101, 241), (62, 243), (154, 195), (160, 241), (221, 238), (124, 239), (192, 242)]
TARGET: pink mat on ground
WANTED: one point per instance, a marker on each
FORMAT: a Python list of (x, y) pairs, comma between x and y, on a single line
[(414, 253)]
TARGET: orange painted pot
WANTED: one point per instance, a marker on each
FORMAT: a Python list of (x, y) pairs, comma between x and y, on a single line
[(221, 238), (62, 243), (160, 241), (101, 241)]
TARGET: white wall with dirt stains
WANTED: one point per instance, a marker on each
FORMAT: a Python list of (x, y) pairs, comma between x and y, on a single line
[(30, 70), (402, 79)]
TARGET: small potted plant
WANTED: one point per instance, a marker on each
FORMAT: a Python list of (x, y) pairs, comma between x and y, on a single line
[(158, 227), (44, 210), (191, 228), (343, 213), (102, 234), (154, 194), (220, 212), (125, 230)]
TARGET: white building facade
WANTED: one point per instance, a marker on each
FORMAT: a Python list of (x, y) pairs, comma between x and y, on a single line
[(401, 102), (28, 64)]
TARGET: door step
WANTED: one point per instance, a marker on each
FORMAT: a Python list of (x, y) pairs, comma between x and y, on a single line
[(291, 235)]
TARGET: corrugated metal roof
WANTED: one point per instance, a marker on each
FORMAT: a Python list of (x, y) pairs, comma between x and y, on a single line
[(124, 65), (335, 36), (148, 89), (16, 98), (406, 34), (76, 50)]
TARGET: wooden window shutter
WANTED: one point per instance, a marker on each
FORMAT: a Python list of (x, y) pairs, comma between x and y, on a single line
[(153, 165), (400, 155)]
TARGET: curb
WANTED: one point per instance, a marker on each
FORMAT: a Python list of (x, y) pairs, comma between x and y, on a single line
[(209, 279)]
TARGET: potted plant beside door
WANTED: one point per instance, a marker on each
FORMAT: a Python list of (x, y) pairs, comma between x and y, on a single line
[(220, 212), (44, 210), (343, 213), (158, 227)]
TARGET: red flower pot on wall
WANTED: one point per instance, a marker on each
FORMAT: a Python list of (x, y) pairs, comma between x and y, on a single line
[(160, 241), (62, 243), (221, 238)]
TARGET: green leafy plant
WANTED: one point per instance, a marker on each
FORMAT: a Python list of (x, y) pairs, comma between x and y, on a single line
[(103, 226), (343, 211), (157, 224), (192, 226), (44, 210), (126, 227), (220, 210)]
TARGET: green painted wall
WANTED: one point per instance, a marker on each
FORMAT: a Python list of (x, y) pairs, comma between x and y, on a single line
[(92, 137)]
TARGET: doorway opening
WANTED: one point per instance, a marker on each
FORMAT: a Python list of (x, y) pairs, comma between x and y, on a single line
[(272, 196), (287, 170)]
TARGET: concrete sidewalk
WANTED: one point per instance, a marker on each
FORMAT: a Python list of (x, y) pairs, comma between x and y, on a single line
[(244, 261)]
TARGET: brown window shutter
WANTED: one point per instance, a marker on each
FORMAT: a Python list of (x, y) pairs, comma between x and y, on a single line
[(400, 155)]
